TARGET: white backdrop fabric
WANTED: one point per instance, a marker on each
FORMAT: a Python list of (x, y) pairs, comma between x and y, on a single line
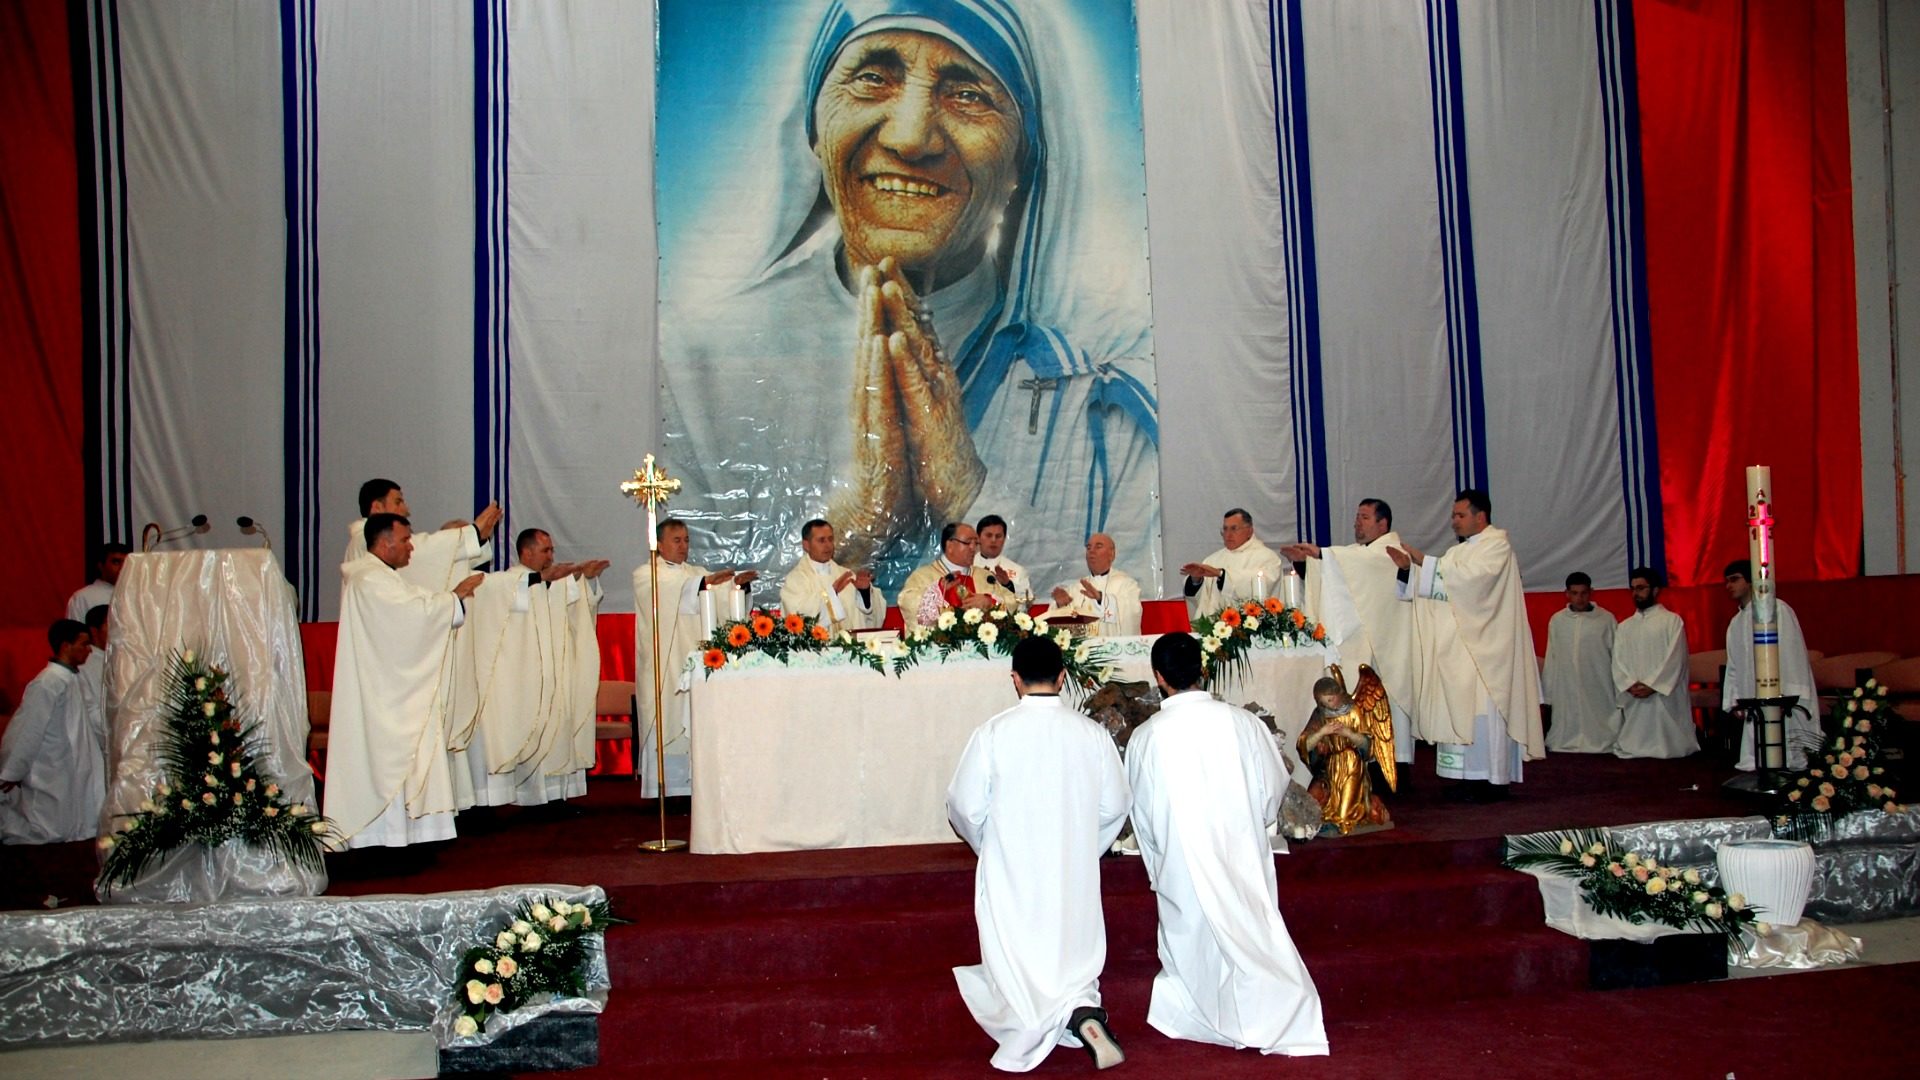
[(1385, 261)]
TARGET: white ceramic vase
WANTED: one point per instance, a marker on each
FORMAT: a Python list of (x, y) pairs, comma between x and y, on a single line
[(1775, 875)]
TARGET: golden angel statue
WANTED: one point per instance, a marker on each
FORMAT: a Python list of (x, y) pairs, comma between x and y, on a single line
[(1344, 733)]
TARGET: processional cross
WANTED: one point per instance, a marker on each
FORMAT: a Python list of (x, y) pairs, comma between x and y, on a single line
[(650, 487)]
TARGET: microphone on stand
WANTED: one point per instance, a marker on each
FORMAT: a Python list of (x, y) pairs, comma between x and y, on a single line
[(152, 536), (250, 527)]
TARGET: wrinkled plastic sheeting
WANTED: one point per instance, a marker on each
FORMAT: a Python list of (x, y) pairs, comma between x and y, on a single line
[(1805, 944), (261, 967), (1865, 882), (194, 874), (1687, 843), (235, 609)]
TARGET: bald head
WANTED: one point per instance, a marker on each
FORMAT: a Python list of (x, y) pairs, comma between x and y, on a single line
[(1100, 553)]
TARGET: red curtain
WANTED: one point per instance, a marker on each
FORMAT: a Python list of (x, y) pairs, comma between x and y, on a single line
[(42, 410), (1749, 247)]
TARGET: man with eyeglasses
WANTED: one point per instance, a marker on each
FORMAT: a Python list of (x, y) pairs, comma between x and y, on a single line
[(951, 581)]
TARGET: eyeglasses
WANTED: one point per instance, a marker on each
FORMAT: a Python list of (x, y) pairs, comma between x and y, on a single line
[(969, 543)]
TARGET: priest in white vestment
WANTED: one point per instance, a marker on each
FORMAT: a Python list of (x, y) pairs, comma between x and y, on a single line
[(98, 592), (1650, 676), (1207, 780), (1110, 597), (529, 678), (1244, 569), (1040, 795), (1578, 679), (1354, 592), (992, 531), (820, 588), (52, 762), (389, 776), (441, 558), (682, 627), (1796, 670), (952, 580), (1479, 685)]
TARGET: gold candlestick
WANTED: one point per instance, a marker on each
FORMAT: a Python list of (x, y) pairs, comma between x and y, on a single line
[(651, 487)]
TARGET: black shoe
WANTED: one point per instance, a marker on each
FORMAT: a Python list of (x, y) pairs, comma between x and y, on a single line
[(1089, 1023)]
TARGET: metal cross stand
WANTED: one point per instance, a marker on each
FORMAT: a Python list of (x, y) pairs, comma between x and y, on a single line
[(650, 487)]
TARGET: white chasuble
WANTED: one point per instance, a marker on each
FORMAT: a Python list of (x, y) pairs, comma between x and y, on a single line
[(1207, 780), (917, 605), (1578, 682), (681, 630), (1115, 614), (808, 590), (53, 751), (1650, 647), (1040, 795), (1354, 592), (1252, 573), (441, 558), (389, 780), (1796, 679)]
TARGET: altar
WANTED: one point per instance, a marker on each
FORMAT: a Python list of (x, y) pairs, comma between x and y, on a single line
[(827, 754)]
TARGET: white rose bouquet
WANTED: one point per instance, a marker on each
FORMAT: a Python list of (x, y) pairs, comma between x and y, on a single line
[(542, 950)]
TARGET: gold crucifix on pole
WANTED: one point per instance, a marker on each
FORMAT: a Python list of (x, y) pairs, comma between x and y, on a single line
[(650, 487)]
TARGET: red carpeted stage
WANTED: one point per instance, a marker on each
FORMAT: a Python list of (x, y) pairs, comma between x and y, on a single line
[(1432, 959)]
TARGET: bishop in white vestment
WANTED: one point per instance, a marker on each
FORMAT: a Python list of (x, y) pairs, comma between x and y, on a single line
[(952, 580), (1578, 679), (682, 627), (1207, 781), (820, 588), (1650, 677), (1796, 670), (1040, 795), (52, 762), (1110, 597), (1479, 685), (1245, 569), (389, 780), (1353, 591)]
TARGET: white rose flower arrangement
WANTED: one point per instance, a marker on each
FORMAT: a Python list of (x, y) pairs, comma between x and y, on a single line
[(542, 950)]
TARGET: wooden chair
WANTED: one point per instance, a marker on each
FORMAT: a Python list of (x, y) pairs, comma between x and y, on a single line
[(616, 699), (1837, 672), (1706, 671), (319, 721)]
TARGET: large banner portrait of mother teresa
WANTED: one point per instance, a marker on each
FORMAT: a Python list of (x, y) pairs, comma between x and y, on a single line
[(903, 279)]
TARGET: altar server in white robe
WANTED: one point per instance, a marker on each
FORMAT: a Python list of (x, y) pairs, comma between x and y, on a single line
[(1207, 780), (521, 730), (820, 588), (1578, 680), (1796, 670), (52, 763), (93, 673), (441, 558), (1244, 569), (1650, 676), (1479, 684), (98, 592), (992, 531), (1353, 591), (389, 780), (1110, 597), (681, 629), (1040, 795)]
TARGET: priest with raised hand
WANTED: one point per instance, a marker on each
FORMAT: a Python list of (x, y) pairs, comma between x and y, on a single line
[(1354, 591), (389, 780), (1650, 676), (1111, 598), (1796, 670), (820, 588), (1040, 795), (1578, 679), (1207, 780), (1480, 684), (992, 531), (952, 580), (1244, 569), (521, 730), (441, 558), (52, 763), (681, 629)]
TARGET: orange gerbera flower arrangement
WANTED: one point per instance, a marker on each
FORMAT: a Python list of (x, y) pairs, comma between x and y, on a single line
[(1230, 616), (819, 632), (1299, 618), (1319, 632), (1274, 606), (762, 625), (739, 635), (795, 624), (1252, 609), (715, 659)]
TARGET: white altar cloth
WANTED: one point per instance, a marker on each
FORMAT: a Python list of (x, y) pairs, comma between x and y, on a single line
[(826, 754)]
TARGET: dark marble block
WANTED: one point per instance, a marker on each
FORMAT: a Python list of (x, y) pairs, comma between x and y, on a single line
[(559, 1041), (1676, 958)]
